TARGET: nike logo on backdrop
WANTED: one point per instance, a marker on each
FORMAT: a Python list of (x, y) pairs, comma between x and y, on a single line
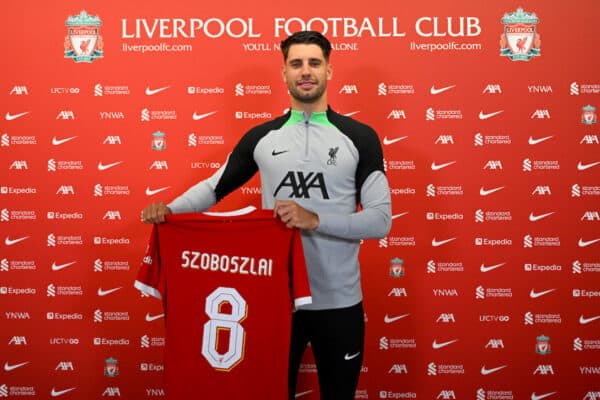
[(587, 243), (150, 92), (8, 367), (541, 396), (399, 215), (436, 243), (388, 320), (533, 141), (107, 292), (482, 115), (485, 371), (276, 153), (351, 113), (533, 217), (151, 318), (435, 345), (387, 141), (103, 167), (584, 321), (9, 242), (152, 192), (583, 167), (10, 117), (56, 393), (436, 167), (58, 267), (434, 91), (534, 295), (57, 142), (487, 192), (484, 268), (198, 117)]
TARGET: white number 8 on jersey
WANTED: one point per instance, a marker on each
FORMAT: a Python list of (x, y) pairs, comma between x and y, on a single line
[(218, 322)]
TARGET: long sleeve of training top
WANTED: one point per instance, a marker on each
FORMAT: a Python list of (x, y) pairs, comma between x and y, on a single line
[(329, 164)]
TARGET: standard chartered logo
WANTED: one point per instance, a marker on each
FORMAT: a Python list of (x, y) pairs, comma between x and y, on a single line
[(575, 190), (479, 215), (97, 316), (145, 115), (51, 165), (430, 190), (480, 394), (528, 242), (527, 165), (480, 292), (430, 114), (577, 344), (51, 242), (239, 89), (98, 90), (432, 369), (384, 343), (192, 141), (145, 342), (574, 89), (98, 265), (98, 190), (383, 242), (382, 89), (529, 318), (431, 267), (478, 139), (51, 290)]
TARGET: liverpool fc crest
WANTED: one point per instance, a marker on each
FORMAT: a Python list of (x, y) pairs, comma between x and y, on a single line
[(520, 40), (83, 42)]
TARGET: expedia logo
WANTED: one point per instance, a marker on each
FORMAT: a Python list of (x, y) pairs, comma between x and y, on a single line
[(301, 185)]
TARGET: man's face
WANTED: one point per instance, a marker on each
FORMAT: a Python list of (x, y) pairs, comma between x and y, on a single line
[(306, 72)]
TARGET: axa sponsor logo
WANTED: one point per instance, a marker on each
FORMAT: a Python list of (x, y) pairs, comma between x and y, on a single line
[(301, 184), (19, 90)]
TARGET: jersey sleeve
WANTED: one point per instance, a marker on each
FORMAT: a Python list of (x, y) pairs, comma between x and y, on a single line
[(150, 279), (300, 284)]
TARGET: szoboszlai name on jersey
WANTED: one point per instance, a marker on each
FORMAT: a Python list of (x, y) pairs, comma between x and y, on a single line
[(225, 263)]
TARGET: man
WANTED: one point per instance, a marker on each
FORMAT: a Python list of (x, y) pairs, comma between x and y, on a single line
[(316, 168)]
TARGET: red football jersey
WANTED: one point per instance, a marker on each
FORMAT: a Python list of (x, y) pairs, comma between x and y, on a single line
[(229, 286)]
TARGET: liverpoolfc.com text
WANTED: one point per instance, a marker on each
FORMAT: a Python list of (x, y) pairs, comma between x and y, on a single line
[(156, 48)]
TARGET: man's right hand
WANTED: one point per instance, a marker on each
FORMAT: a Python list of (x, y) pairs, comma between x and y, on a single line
[(155, 213)]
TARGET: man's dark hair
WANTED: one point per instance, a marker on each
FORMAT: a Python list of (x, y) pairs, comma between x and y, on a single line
[(306, 37)]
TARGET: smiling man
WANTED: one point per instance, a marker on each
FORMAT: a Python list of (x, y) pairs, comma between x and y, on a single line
[(321, 172)]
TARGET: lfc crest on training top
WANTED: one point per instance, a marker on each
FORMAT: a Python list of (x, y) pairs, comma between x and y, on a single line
[(83, 42), (520, 40)]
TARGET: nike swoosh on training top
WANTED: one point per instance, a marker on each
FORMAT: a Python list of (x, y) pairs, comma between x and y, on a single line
[(349, 357), (435, 345), (434, 91), (485, 268), (56, 393), (436, 243), (533, 141), (399, 215), (388, 320), (58, 267), (485, 371), (584, 321), (276, 153), (487, 192), (483, 115), (436, 167), (302, 394), (541, 396), (151, 318), (9, 242), (198, 117), (583, 167), (152, 192), (10, 117), (387, 141), (8, 367), (533, 217), (534, 295), (57, 142), (587, 243), (103, 167), (150, 92), (107, 292)]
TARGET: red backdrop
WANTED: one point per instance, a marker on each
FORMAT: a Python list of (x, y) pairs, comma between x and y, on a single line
[(487, 286)]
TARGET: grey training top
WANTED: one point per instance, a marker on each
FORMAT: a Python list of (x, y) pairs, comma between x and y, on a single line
[(329, 164)]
